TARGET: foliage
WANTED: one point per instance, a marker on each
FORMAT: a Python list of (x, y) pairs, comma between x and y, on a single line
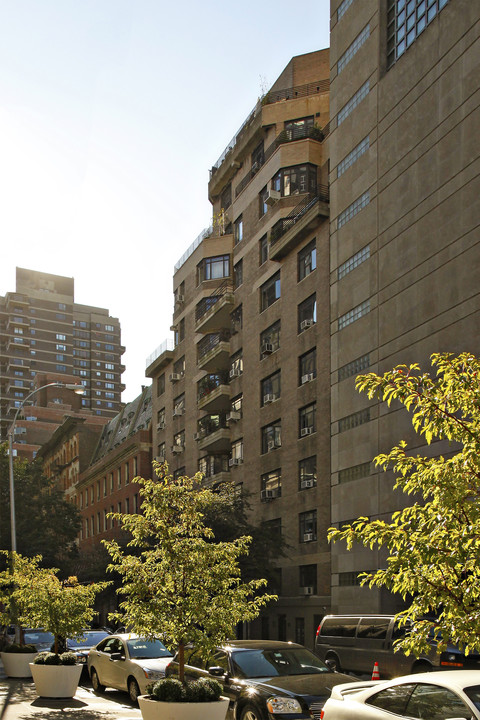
[(172, 690), (50, 658), (46, 523), (17, 648), (433, 545), (16, 588), (183, 586)]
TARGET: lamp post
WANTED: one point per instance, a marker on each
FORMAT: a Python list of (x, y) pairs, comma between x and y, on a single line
[(79, 390)]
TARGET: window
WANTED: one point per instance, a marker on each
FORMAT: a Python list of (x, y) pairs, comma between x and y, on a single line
[(353, 262), (348, 108), (262, 201), (308, 579), (270, 389), (238, 230), (60, 347), (236, 319), (352, 49), (355, 314), (161, 384), (237, 452), (236, 366), (270, 340), (406, 20), (356, 472), (258, 157), (307, 260), (226, 197), (307, 472), (161, 452), (179, 366), (59, 336), (297, 179), (353, 367), (270, 291), (213, 268), (353, 209), (238, 274), (342, 8), (127, 473), (307, 526), (179, 405), (297, 129), (307, 313), (263, 250), (109, 366), (179, 332), (350, 421), (306, 419), (161, 419), (271, 485), (353, 156), (271, 436), (61, 368), (307, 366), (179, 440), (111, 482), (237, 403)]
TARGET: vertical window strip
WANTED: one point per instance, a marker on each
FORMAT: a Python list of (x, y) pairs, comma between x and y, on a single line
[(353, 48), (348, 108), (406, 21), (354, 420), (354, 367), (353, 262), (342, 8), (356, 472), (353, 209), (355, 314), (353, 156)]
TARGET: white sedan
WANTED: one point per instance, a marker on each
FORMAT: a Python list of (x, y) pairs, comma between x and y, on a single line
[(127, 662), (444, 695)]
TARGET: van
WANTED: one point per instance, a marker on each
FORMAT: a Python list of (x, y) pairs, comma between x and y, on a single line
[(354, 643)]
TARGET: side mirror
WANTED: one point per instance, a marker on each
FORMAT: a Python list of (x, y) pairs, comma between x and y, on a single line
[(331, 664), (216, 671)]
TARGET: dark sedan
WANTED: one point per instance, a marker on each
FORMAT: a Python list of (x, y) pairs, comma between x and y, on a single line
[(265, 678)]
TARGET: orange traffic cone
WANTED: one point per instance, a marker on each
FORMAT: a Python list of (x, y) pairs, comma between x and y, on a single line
[(375, 673)]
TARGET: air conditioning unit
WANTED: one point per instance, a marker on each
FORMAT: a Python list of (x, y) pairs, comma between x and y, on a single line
[(235, 461), (306, 431), (159, 458), (271, 445), (306, 484), (267, 348), (272, 197), (307, 378), (173, 377), (178, 411), (233, 416), (308, 537), (235, 372), (177, 449), (180, 299), (268, 494), (197, 436), (269, 398), (308, 590), (307, 323), (161, 426)]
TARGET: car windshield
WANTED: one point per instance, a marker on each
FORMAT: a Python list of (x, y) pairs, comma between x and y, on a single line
[(142, 649), (474, 694), (87, 640), (271, 663), (38, 636)]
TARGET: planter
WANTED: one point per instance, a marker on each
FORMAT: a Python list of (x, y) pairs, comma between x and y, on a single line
[(158, 710), (17, 664), (56, 681)]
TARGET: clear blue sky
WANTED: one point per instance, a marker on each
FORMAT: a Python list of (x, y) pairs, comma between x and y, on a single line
[(111, 114)]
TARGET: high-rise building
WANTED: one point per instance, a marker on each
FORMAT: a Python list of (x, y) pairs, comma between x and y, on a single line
[(44, 331), (404, 238)]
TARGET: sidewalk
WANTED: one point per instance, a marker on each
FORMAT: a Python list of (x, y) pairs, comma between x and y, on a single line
[(18, 701)]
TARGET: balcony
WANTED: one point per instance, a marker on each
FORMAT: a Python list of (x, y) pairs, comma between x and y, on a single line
[(213, 393), (213, 312), (213, 351), (214, 469), (213, 434), (290, 230)]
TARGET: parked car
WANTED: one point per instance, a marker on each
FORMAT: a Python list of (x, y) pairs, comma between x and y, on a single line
[(443, 695), (41, 639), (82, 644), (263, 678), (355, 642), (127, 662)]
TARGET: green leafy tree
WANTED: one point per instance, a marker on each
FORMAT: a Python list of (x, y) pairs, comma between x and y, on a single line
[(46, 523), (433, 545), (16, 582), (183, 586)]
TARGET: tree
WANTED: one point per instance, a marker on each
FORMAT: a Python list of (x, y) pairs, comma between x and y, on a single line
[(47, 524), (433, 545), (183, 586)]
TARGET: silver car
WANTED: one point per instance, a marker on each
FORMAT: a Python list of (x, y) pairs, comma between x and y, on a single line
[(127, 662)]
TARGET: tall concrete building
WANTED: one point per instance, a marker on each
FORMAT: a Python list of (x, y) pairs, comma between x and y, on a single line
[(404, 237), (43, 330)]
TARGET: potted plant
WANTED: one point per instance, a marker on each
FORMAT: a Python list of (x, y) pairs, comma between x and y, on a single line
[(181, 585), (14, 610)]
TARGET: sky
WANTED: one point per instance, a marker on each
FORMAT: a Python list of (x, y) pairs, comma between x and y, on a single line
[(111, 114)]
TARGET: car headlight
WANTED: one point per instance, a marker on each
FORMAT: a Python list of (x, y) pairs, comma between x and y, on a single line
[(153, 674), (283, 705)]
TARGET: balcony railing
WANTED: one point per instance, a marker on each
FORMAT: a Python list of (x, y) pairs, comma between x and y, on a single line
[(209, 383), (213, 464), (209, 342), (207, 303), (284, 224), (210, 424), (298, 91)]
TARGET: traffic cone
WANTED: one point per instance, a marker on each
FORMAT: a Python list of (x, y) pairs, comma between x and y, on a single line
[(375, 673)]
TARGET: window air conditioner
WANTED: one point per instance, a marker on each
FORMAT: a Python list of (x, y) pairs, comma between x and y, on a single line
[(268, 494), (307, 323), (178, 448), (235, 461), (178, 411), (267, 348), (306, 431), (272, 197), (308, 590), (235, 372), (307, 378), (307, 537), (269, 398), (159, 458), (160, 426), (306, 484), (180, 299), (271, 445), (233, 416), (173, 377)]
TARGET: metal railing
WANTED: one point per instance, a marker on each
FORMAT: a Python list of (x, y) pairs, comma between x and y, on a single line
[(297, 91), (167, 344), (284, 224), (209, 383), (208, 302), (210, 341)]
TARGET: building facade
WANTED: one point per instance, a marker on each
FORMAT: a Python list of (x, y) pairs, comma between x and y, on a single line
[(404, 240), (43, 330)]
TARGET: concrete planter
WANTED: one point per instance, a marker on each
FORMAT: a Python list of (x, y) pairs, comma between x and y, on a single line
[(158, 710), (17, 664), (56, 681)]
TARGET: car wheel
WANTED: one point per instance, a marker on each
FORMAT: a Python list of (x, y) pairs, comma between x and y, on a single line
[(133, 690), (250, 713), (96, 684)]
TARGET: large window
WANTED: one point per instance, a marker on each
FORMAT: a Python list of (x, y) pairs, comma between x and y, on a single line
[(271, 485), (297, 129), (270, 291), (296, 179), (238, 230), (271, 436), (262, 250), (307, 522), (270, 339), (238, 274), (307, 313), (308, 579), (307, 472), (236, 364), (406, 19), (306, 419), (307, 260), (213, 268), (270, 389)]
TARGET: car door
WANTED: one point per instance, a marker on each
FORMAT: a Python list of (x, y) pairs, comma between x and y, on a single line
[(118, 670)]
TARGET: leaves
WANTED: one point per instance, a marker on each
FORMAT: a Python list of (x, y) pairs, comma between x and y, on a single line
[(433, 545)]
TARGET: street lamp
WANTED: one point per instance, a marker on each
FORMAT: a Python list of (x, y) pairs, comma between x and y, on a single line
[(79, 390)]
